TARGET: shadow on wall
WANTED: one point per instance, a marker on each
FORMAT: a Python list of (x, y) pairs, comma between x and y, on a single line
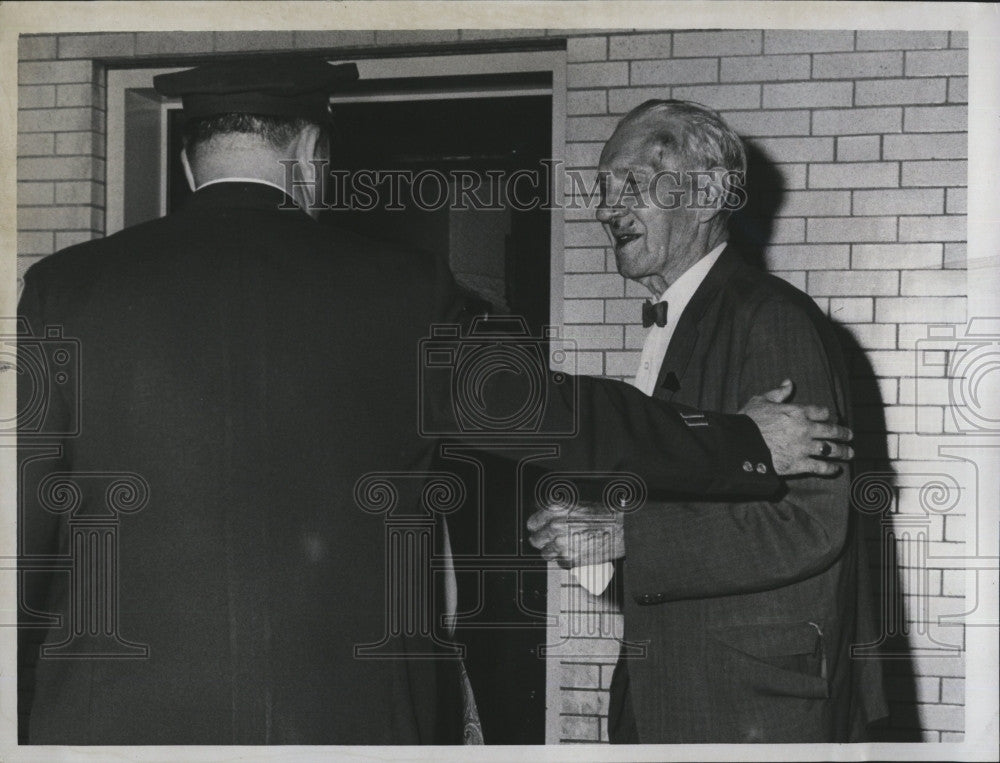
[(751, 228), (903, 723)]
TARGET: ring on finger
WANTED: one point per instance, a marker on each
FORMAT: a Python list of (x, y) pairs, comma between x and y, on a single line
[(826, 449)]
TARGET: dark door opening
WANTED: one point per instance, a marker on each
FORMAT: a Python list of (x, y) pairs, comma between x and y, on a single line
[(469, 176), (501, 256)]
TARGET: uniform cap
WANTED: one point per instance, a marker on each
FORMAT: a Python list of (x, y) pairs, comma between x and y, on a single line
[(262, 85)]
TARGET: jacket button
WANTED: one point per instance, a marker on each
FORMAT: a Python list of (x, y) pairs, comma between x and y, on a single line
[(761, 468), (747, 466)]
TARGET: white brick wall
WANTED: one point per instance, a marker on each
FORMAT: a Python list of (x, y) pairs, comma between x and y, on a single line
[(867, 131)]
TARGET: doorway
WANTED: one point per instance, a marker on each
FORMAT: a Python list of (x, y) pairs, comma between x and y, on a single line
[(496, 241)]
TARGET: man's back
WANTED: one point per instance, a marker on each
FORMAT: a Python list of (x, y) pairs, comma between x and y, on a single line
[(250, 366)]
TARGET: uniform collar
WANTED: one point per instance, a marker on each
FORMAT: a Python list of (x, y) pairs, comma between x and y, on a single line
[(245, 193), (239, 180)]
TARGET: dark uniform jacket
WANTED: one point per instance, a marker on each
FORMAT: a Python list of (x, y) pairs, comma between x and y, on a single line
[(747, 610), (241, 368)]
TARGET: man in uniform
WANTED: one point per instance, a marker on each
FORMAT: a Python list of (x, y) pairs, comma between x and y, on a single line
[(246, 367)]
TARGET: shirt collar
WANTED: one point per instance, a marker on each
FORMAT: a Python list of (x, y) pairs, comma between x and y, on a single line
[(680, 291), (240, 180)]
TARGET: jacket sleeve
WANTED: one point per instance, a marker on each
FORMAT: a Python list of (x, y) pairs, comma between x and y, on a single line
[(602, 425), (673, 449), (684, 550)]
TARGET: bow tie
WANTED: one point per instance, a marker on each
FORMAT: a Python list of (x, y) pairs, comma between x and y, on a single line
[(654, 314)]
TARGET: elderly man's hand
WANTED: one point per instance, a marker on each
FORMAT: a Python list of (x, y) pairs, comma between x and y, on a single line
[(588, 533), (800, 437)]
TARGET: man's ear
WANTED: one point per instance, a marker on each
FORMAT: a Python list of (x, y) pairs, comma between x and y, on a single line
[(305, 144), (304, 148), (710, 195), (187, 169)]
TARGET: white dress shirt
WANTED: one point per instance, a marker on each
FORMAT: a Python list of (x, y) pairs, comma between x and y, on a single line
[(595, 577), (677, 296)]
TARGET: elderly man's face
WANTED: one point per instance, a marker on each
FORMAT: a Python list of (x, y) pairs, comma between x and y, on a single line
[(644, 206)]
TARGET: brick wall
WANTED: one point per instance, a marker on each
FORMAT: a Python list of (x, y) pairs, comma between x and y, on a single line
[(866, 135)]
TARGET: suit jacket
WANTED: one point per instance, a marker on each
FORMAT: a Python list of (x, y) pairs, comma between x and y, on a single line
[(748, 609), (247, 367)]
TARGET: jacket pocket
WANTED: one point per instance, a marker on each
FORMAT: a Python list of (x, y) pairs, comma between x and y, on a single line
[(775, 659)]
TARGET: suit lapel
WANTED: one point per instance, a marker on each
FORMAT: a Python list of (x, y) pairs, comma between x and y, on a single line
[(685, 336)]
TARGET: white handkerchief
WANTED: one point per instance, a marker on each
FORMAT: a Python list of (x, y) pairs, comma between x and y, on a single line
[(594, 577)]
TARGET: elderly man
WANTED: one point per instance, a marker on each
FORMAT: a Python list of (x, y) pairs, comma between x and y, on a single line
[(246, 368), (749, 608)]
